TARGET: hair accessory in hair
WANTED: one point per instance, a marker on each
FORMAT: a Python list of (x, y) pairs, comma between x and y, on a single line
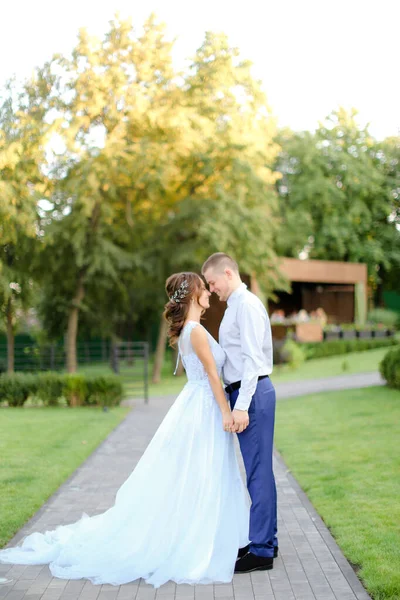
[(181, 292)]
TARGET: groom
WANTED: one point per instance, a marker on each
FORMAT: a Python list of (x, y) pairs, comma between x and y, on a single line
[(245, 335)]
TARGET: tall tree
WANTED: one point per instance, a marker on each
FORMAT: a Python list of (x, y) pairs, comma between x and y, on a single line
[(22, 182), (146, 154), (225, 199), (334, 198), (151, 170), (115, 119), (388, 157)]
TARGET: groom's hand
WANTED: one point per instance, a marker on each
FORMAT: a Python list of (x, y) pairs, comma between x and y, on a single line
[(241, 420)]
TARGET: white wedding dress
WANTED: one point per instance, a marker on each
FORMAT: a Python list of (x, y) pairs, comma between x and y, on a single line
[(181, 515)]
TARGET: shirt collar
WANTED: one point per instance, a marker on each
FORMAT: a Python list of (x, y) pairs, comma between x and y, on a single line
[(238, 292)]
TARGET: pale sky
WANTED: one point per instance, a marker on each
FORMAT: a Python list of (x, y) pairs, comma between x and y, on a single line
[(311, 55)]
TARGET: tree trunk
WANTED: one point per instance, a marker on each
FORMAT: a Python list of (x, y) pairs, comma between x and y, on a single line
[(160, 351), (73, 317), (10, 338), (72, 331)]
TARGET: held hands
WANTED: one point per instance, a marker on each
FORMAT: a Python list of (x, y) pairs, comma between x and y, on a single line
[(236, 421), (241, 420), (227, 422)]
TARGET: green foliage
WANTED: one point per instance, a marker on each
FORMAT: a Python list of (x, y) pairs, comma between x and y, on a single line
[(160, 169), (103, 391), (338, 347), (292, 353), (74, 389), (340, 195), (78, 390), (49, 387), (384, 316), (390, 368), (16, 388), (22, 182), (157, 170), (22, 136)]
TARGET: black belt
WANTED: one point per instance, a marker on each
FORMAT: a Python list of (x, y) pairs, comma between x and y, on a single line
[(236, 385)]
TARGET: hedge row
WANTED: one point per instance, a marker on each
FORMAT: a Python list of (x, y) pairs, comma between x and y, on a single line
[(390, 368), (337, 347), (77, 390)]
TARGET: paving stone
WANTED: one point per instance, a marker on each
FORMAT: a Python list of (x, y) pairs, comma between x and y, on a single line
[(15, 595), (310, 565)]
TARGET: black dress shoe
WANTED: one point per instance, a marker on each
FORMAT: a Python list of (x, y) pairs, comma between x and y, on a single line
[(250, 562), (243, 551)]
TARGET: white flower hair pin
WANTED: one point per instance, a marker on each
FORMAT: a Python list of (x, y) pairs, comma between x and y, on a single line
[(181, 292)]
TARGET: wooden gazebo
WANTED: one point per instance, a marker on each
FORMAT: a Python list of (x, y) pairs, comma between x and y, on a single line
[(339, 288)]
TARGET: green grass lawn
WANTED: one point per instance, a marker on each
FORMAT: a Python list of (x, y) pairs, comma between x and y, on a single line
[(345, 364), (343, 448), (39, 449), (357, 362)]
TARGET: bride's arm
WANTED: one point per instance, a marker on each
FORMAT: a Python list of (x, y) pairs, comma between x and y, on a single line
[(199, 340)]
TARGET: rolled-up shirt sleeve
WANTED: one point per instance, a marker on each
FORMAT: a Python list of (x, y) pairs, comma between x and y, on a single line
[(252, 325)]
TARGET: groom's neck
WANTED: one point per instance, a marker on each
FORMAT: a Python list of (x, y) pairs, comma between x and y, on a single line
[(235, 285)]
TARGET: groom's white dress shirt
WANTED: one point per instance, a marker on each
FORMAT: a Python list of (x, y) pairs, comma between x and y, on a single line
[(245, 335)]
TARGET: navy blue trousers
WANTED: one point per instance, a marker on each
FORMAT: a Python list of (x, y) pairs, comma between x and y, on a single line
[(256, 443)]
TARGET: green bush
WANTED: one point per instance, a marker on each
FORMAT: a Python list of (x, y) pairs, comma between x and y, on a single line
[(50, 387), (292, 354), (383, 316), (16, 388), (338, 347), (74, 389), (104, 391), (390, 368)]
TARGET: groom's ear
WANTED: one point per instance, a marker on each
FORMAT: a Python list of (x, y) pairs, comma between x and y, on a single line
[(228, 273)]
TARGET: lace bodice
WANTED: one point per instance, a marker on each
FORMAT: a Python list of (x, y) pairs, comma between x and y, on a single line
[(193, 366)]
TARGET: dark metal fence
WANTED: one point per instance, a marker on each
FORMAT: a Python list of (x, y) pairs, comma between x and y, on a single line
[(132, 357), (130, 360), (30, 356)]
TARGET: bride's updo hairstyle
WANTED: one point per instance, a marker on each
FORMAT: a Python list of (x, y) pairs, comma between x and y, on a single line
[(181, 288)]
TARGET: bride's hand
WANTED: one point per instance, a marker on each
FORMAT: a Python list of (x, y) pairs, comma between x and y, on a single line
[(227, 422)]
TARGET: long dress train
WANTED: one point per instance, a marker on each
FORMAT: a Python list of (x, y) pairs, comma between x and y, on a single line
[(181, 515)]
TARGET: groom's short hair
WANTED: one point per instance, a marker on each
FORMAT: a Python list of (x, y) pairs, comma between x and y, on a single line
[(220, 261)]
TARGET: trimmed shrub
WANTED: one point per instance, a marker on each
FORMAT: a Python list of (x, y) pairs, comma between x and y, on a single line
[(338, 347), (16, 388), (292, 354), (390, 368), (104, 391), (49, 387), (74, 389), (384, 316)]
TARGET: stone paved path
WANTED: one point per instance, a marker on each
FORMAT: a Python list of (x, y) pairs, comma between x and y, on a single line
[(313, 386), (310, 565)]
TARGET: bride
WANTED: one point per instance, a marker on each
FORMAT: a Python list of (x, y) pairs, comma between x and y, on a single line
[(183, 513)]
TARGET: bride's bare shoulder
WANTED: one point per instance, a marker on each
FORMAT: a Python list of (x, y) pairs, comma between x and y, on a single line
[(198, 332)]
